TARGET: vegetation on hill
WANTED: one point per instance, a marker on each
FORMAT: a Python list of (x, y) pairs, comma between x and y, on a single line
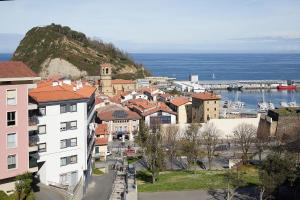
[(42, 44)]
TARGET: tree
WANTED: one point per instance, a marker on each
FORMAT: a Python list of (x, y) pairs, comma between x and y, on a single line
[(170, 141), (154, 154), (275, 170), (260, 145), (210, 139), (245, 134), (142, 134), (23, 185), (234, 181), (190, 144)]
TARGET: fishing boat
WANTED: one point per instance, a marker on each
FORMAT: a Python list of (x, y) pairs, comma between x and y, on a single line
[(234, 86), (289, 86)]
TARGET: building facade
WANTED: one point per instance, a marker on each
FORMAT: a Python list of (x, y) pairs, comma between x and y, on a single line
[(183, 107), (18, 147), (205, 106), (66, 131), (105, 84)]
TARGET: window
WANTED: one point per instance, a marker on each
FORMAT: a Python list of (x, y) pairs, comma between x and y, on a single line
[(63, 108), (73, 142), (106, 70), (68, 160), (63, 126), (11, 97), (68, 143), (73, 125), (42, 129), (11, 140), (11, 162), (63, 144), (63, 161), (68, 108), (42, 111), (73, 159), (42, 147), (207, 109), (73, 108), (215, 109), (11, 118), (215, 102), (68, 125)]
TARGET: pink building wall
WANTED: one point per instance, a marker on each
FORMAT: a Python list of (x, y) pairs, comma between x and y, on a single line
[(21, 130)]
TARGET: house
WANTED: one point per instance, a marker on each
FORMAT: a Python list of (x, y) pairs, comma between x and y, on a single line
[(153, 113), (66, 131), (101, 141), (121, 121), (183, 107), (18, 136), (166, 97), (151, 92), (205, 106)]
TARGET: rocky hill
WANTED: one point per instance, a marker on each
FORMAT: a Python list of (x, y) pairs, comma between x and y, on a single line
[(57, 50)]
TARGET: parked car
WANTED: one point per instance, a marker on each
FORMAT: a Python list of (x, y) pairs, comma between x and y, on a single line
[(108, 153)]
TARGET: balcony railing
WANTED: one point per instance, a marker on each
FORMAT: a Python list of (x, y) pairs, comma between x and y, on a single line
[(32, 121)]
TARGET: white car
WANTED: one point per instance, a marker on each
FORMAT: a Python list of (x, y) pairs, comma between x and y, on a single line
[(108, 153)]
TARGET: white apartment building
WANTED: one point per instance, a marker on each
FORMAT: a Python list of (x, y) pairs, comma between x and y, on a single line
[(66, 131)]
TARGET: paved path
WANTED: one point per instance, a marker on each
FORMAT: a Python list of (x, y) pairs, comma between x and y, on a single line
[(190, 195), (43, 192), (99, 187)]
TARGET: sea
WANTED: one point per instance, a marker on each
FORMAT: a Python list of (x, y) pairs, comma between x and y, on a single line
[(227, 67)]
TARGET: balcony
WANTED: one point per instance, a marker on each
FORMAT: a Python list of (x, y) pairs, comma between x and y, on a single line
[(33, 165), (33, 141), (32, 106), (32, 123)]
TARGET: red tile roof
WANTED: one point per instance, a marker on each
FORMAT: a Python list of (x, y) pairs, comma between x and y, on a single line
[(105, 65), (101, 141), (101, 129), (122, 81), (206, 96), (46, 92), (145, 107), (15, 69), (178, 101)]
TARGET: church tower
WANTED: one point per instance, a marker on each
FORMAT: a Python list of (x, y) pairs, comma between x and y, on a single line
[(105, 86)]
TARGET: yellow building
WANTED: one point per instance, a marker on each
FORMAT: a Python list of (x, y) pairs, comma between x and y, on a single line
[(123, 85), (205, 106), (111, 87), (182, 106), (105, 85)]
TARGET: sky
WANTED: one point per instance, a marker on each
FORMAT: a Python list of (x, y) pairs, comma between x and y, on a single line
[(163, 26)]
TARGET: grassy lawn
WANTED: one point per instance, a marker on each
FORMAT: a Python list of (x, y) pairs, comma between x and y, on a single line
[(185, 180), (133, 159)]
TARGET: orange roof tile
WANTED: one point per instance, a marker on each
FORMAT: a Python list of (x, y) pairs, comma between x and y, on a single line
[(15, 69), (179, 101), (114, 115), (206, 96), (101, 129), (122, 81), (101, 141), (46, 92)]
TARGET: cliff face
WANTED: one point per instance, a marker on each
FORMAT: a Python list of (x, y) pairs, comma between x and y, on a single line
[(57, 50)]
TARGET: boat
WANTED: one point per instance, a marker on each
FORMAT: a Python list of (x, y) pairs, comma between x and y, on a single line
[(289, 86), (264, 106), (234, 87)]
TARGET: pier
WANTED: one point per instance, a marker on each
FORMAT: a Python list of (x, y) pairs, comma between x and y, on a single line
[(246, 84)]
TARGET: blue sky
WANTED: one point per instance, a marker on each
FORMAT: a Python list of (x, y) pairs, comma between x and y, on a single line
[(191, 26)]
